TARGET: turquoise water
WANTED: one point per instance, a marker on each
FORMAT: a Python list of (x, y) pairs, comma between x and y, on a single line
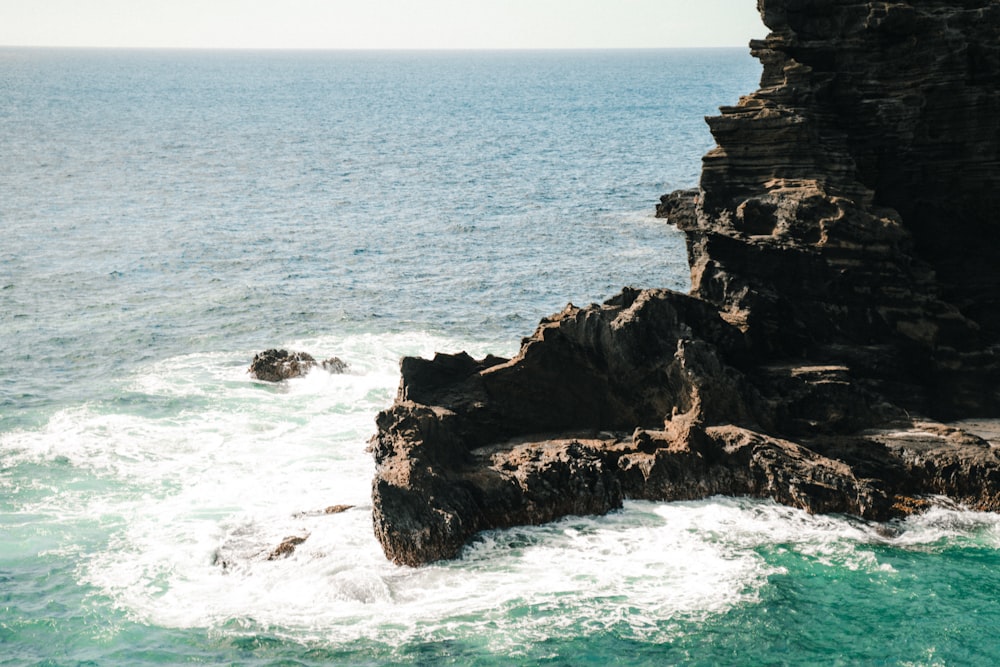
[(166, 215)]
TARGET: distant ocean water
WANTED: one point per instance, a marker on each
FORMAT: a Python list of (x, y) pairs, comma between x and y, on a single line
[(165, 215)]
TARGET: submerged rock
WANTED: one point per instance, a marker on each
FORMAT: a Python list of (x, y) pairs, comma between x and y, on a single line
[(249, 543), (334, 365), (845, 271)]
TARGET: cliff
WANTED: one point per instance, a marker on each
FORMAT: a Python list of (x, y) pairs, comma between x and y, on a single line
[(845, 277), (852, 199)]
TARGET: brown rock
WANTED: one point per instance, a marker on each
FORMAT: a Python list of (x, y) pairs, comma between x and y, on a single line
[(337, 509), (287, 547)]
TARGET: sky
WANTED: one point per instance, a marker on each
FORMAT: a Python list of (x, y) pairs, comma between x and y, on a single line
[(380, 24)]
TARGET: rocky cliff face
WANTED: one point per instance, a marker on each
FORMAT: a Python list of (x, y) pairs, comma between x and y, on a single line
[(845, 280), (853, 199)]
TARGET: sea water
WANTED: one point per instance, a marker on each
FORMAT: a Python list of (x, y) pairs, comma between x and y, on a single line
[(165, 215)]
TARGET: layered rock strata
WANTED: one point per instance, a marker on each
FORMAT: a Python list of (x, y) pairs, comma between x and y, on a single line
[(844, 279)]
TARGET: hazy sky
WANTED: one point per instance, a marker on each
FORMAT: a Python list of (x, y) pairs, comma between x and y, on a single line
[(353, 24)]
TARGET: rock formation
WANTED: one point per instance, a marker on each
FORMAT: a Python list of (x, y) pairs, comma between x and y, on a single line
[(845, 279), (277, 365)]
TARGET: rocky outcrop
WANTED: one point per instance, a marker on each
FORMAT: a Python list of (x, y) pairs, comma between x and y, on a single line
[(844, 280), (679, 207), (652, 395), (277, 365)]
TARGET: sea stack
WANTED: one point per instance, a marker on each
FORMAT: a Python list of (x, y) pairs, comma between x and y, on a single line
[(845, 266)]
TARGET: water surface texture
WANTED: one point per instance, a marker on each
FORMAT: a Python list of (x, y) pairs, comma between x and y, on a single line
[(165, 215)]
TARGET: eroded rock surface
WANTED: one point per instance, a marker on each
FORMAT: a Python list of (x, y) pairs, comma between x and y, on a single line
[(845, 277)]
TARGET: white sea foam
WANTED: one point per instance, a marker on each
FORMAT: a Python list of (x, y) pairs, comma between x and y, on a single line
[(947, 524), (635, 570)]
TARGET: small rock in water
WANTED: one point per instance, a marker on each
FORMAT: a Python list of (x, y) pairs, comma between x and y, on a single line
[(337, 509), (277, 365), (287, 547), (332, 509)]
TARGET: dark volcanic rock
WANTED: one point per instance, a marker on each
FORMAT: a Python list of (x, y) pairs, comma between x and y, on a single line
[(845, 278), (277, 365), (853, 199)]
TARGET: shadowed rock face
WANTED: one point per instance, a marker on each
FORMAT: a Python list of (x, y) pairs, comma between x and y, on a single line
[(845, 280), (853, 199)]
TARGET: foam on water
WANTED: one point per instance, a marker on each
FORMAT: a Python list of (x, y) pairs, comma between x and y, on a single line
[(201, 472), (636, 572), (337, 587), (947, 526)]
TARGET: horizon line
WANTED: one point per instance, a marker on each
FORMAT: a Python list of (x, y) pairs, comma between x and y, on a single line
[(356, 49)]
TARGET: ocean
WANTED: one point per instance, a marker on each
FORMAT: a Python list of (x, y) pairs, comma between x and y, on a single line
[(167, 214)]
